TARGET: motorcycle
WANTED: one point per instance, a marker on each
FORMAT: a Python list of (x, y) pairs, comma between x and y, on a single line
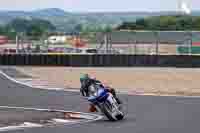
[(105, 102)]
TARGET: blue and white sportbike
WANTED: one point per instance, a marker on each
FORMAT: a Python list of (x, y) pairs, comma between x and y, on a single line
[(105, 102)]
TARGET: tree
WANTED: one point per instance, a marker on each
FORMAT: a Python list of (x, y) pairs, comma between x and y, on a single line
[(43, 24), (35, 31), (2, 30), (141, 24), (34, 27), (163, 23), (167, 23), (196, 23), (10, 32), (19, 25), (78, 28), (127, 26)]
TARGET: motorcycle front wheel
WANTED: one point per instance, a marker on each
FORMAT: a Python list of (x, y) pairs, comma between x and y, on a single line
[(107, 110)]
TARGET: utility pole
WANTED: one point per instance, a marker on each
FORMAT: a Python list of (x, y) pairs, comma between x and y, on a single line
[(106, 42), (157, 42), (191, 42), (17, 44)]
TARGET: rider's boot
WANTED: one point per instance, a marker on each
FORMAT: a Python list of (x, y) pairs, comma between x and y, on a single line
[(92, 108)]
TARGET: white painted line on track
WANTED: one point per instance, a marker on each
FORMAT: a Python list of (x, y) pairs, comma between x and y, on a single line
[(127, 92), (54, 110), (20, 127), (62, 121), (87, 116), (26, 84), (30, 124)]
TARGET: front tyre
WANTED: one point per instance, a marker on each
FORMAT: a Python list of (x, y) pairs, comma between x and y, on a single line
[(108, 112), (120, 117)]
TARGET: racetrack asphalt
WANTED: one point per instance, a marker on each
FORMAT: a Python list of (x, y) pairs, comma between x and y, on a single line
[(145, 114)]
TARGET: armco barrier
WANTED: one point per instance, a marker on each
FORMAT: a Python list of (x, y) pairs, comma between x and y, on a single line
[(195, 61), (176, 61), (77, 60)]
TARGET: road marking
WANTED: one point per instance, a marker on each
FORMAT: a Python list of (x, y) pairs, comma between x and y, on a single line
[(62, 121), (20, 127), (74, 114), (127, 92), (26, 84), (86, 116), (89, 117)]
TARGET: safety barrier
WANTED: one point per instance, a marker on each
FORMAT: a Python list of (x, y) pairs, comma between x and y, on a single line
[(79, 60)]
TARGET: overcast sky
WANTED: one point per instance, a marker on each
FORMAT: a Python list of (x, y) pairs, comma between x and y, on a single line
[(98, 5)]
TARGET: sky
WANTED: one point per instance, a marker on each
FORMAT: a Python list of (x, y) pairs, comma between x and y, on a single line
[(98, 5)]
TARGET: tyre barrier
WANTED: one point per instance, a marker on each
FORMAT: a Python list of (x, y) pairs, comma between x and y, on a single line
[(96, 60)]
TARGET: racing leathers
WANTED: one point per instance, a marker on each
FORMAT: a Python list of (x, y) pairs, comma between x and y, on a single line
[(85, 91)]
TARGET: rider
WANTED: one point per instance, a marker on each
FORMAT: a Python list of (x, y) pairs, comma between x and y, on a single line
[(86, 81)]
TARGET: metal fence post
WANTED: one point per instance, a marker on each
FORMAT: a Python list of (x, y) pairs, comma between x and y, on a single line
[(191, 42), (157, 42)]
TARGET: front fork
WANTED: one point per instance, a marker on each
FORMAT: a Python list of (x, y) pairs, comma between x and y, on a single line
[(112, 101)]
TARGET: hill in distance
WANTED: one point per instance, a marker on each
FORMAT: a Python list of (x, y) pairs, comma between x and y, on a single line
[(66, 21)]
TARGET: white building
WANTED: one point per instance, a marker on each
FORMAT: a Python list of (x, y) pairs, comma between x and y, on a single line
[(57, 39)]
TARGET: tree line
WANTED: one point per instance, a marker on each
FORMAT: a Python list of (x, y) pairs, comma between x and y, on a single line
[(36, 28), (163, 23), (28, 27)]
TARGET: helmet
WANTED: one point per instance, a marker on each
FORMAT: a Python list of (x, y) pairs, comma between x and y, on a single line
[(84, 77)]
